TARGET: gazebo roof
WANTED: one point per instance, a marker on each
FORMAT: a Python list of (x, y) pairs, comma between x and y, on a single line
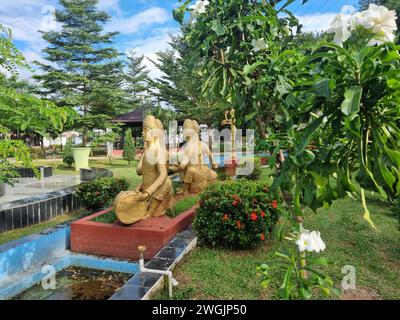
[(135, 116)]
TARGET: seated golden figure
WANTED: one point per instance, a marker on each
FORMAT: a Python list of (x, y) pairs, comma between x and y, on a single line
[(195, 174), (155, 194)]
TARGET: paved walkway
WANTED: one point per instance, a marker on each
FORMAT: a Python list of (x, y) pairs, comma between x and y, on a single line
[(29, 187)]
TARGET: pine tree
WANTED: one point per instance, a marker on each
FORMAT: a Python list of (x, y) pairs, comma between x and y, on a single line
[(180, 85), (129, 147), (85, 71), (136, 76)]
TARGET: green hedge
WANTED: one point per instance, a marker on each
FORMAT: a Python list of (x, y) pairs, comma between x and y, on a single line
[(238, 214), (101, 192)]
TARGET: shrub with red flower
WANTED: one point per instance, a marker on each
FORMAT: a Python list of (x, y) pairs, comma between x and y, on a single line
[(253, 216), (235, 215), (274, 204)]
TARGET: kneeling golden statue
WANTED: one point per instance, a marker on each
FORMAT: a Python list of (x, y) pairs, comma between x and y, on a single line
[(155, 194), (195, 174)]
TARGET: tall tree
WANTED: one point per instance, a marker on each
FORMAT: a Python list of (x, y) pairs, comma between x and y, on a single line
[(85, 71), (136, 76), (20, 110), (129, 147), (180, 84)]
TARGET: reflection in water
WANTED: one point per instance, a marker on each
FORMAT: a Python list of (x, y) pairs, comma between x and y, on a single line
[(74, 283)]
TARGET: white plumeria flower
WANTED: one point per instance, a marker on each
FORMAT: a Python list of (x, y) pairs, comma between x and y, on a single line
[(380, 20), (319, 245), (310, 241), (305, 243), (200, 7), (342, 26), (259, 45)]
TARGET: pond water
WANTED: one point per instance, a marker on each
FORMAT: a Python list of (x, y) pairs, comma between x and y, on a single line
[(75, 283)]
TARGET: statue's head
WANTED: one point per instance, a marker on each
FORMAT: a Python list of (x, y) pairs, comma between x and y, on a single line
[(188, 129), (196, 126), (150, 129)]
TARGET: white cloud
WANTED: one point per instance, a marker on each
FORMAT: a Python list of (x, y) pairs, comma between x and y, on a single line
[(138, 21), (150, 46), (110, 5), (317, 21)]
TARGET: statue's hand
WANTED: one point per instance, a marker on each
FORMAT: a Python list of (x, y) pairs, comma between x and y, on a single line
[(143, 196)]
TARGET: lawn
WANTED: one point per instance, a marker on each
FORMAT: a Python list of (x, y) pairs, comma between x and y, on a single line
[(119, 167), (223, 274)]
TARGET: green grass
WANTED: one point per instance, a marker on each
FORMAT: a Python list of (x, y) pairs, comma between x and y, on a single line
[(119, 167), (224, 274), (183, 205), (23, 232), (108, 217)]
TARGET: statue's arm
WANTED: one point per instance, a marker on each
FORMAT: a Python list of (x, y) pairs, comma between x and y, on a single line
[(140, 166), (163, 175)]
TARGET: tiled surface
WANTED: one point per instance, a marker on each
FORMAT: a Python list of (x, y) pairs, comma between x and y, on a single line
[(30, 187), (31, 202), (128, 292), (140, 284)]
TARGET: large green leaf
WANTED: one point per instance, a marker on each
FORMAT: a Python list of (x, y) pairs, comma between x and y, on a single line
[(352, 100)]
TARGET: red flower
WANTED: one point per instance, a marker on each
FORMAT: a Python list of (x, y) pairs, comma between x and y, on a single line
[(253, 216), (274, 204), (238, 225), (262, 213), (235, 203), (262, 237), (225, 218)]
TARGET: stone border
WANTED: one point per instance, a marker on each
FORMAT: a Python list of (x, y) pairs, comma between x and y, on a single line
[(28, 172), (36, 209), (143, 285)]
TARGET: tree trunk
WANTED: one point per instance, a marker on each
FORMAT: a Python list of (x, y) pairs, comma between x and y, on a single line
[(261, 127)]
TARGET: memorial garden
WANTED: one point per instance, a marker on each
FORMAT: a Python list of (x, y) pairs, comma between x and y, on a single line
[(261, 163)]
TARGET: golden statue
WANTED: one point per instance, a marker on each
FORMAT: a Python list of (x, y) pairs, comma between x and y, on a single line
[(155, 194), (230, 120), (195, 174)]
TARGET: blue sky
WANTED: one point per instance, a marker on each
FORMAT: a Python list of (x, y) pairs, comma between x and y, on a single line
[(144, 25)]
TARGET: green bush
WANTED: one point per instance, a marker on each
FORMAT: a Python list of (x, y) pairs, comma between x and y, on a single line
[(101, 192), (238, 214), (8, 172), (257, 171), (68, 157)]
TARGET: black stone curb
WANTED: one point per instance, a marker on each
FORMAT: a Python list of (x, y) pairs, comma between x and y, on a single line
[(142, 284), (36, 209)]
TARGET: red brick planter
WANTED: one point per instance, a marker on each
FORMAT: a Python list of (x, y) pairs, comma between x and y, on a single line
[(264, 161), (230, 167), (120, 241)]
